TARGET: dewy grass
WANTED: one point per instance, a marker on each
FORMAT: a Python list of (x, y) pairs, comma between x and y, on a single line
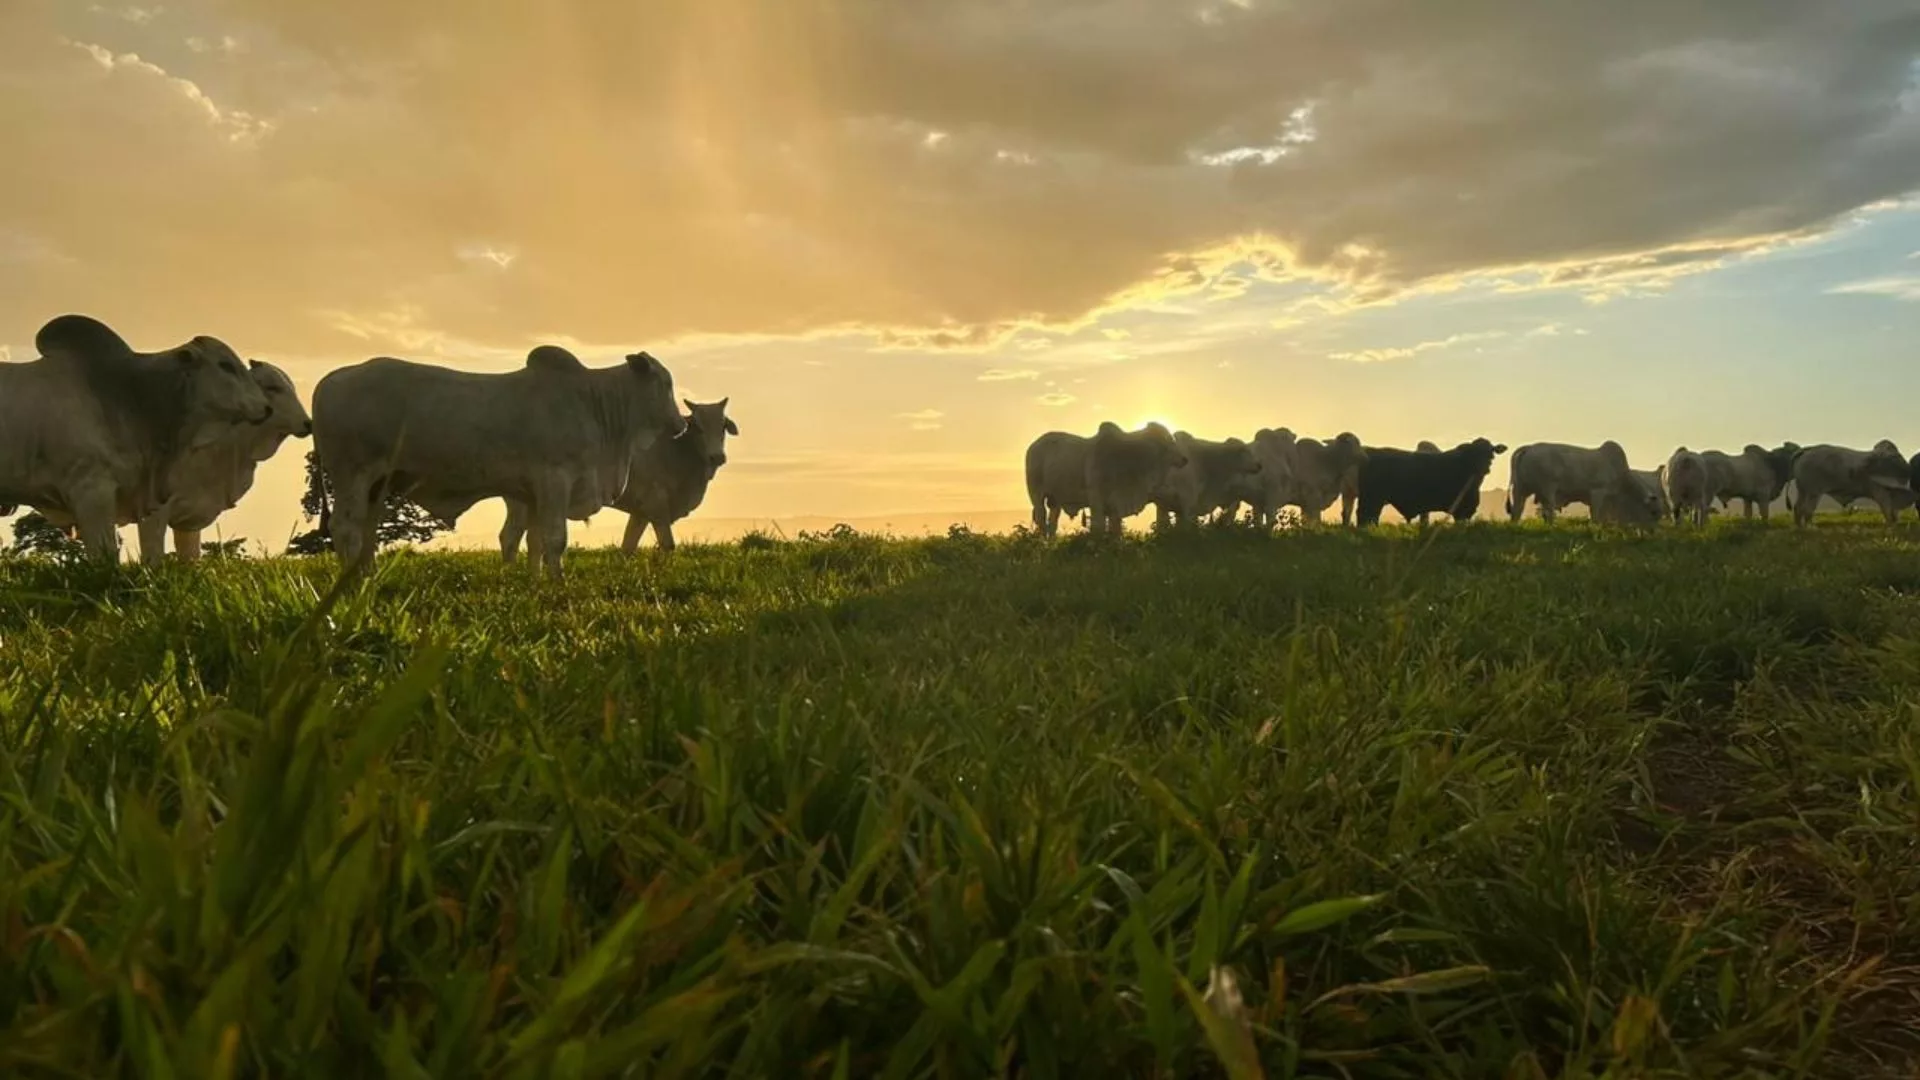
[(1488, 801)]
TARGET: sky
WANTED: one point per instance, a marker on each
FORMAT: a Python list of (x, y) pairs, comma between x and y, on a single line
[(903, 239)]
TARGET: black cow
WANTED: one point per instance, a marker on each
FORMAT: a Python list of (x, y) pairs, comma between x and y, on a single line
[(1416, 483)]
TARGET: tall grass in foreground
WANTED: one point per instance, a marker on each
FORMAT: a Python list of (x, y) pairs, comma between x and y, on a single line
[(1486, 802)]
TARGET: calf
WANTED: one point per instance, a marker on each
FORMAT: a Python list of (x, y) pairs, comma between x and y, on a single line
[(668, 481)]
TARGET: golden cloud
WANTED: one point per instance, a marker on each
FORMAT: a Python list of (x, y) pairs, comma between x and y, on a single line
[(291, 173)]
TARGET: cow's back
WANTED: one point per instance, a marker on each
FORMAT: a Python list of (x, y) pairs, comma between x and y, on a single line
[(452, 430)]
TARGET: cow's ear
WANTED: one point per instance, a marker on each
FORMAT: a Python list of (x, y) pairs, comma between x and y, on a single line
[(642, 362), (186, 356), (732, 428), (253, 365), (688, 402)]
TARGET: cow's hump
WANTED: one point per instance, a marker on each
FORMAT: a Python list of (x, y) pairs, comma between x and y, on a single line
[(555, 359), (83, 337)]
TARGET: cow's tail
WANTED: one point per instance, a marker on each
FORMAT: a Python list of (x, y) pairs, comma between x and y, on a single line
[(1513, 477), (1036, 486)]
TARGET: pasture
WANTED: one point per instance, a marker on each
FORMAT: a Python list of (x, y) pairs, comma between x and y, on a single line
[(1483, 801)]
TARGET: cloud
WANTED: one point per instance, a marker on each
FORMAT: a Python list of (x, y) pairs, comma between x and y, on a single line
[(1897, 288), (1007, 374), (1404, 352), (944, 178), (923, 419), (1056, 398)]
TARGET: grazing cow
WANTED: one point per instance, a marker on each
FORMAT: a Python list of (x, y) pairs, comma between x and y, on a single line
[(1755, 475), (668, 481), (1206, 482), (1416, 483), (1556, 475), (1124, 469), (92, 431), (208, 481), (1846, 475), (1654, 483), (555, 434), (1689, 485)]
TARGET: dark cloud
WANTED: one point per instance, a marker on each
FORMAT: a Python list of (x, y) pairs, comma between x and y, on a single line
[(315, 175)]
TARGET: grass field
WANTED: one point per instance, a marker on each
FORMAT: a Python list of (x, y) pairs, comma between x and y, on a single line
[(1491, 801)]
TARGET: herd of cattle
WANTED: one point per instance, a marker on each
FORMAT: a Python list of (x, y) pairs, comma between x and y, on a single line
[(95, 435), (1114, 474)]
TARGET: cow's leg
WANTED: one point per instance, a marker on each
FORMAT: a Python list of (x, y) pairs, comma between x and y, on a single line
[(513, 530), (93, 514), (663, 535), (355, 521), (536, 546), (186, 544), (1369, 512), (550, 523), (1804, 502), (636, 528), (1549, 502), (1346, 508), (1887, 509), (1517, 505), (1052, 528), (152, 533)]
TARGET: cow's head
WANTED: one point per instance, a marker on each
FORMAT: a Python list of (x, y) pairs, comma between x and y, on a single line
[(218, 388), (1168, 452), (1779, 464), (1240, 458), (660, 414), (1476, 460), (709, 426), (286, 417), (1347, 452), (1886, 466)]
